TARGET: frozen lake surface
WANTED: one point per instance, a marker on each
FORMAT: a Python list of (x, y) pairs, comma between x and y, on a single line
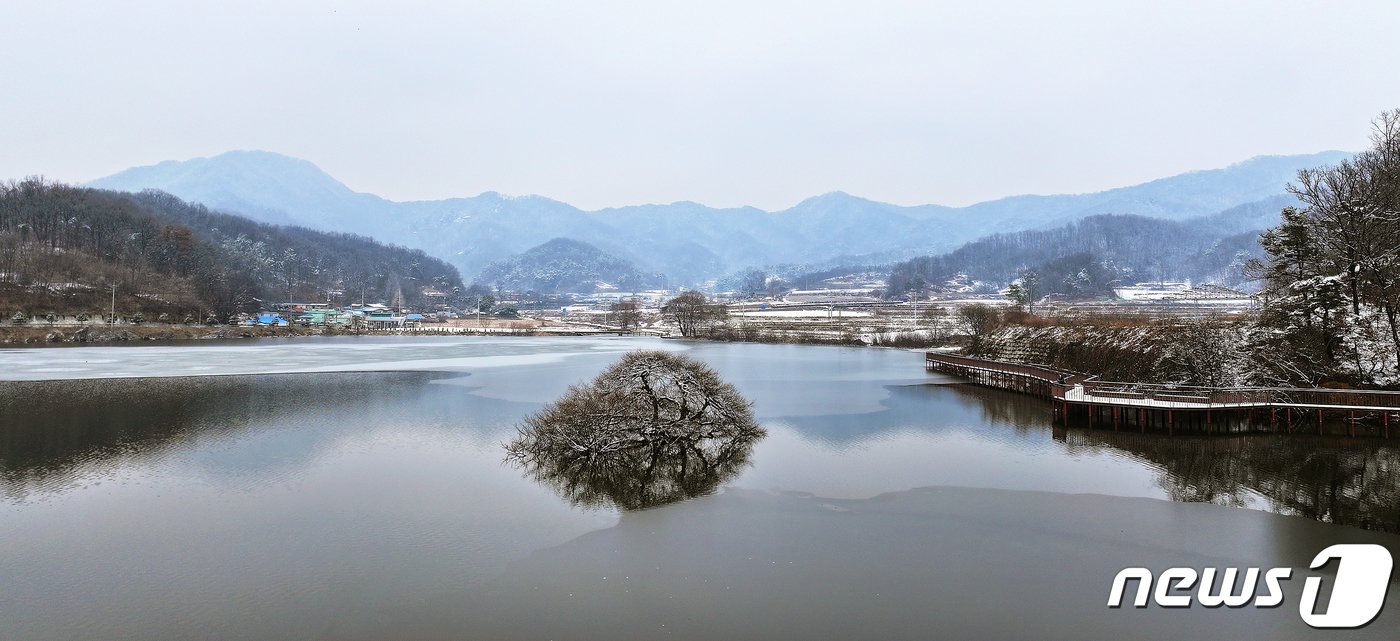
[(355, 488)]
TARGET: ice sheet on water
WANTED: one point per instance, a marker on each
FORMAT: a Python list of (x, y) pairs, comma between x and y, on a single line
[(350, 354)]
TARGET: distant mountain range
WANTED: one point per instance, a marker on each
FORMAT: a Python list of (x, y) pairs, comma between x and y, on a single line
[(687, 241), (1090, 256)]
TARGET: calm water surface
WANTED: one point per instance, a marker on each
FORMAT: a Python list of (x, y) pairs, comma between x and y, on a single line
[(359, 491)]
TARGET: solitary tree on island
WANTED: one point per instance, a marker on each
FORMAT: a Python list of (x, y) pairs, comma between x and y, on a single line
[(652, 428)]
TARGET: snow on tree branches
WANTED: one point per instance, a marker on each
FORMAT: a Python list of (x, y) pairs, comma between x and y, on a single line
[(653, 428)]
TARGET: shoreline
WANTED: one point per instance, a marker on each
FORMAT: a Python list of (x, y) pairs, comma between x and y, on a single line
[(41, 335), (46, 335), (54, 335)]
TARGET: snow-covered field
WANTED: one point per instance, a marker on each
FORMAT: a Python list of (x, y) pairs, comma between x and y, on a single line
[(805, 313)]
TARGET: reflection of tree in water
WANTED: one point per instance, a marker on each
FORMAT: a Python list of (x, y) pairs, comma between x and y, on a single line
[(651, 429), (1351, 482), (51, 431), (1334, 480)]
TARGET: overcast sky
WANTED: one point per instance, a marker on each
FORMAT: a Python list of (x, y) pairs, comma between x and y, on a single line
[(725, 103)]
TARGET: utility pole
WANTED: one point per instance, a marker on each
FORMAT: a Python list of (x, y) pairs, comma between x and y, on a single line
[(112, 315)]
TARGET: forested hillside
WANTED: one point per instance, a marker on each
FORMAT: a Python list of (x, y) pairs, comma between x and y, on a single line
[(565, 265), (64, 248), (1088, 256)]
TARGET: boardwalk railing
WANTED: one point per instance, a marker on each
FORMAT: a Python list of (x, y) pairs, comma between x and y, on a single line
[(1246, 396), (1065, 382), (1056, 381), (1076, 389)]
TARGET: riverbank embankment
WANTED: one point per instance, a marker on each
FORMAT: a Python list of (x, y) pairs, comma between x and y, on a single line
[(1114, 353)]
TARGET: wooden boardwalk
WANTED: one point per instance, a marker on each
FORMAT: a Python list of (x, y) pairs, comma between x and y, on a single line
[(1077, 396)]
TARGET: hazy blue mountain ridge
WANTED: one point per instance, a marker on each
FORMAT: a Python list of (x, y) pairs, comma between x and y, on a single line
[(688, 241), (1089, 256)]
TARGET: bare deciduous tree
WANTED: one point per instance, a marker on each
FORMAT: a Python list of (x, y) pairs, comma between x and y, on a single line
[(693, 314), (626, 314), (1206, 352), (978, 319), (936, 319), (1025, 290)]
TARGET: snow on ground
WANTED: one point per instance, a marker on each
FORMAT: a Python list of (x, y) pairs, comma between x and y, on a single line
[(805, 313)]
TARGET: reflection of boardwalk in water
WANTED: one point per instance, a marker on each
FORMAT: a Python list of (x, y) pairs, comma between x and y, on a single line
[(1081, 398), (1331, 479), (1322, 478)]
